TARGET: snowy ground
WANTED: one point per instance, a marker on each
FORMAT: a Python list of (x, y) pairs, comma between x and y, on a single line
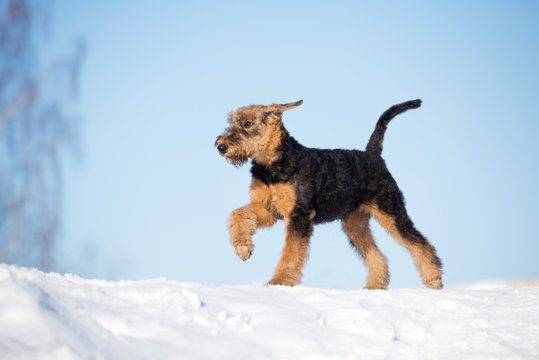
[(49, 316)]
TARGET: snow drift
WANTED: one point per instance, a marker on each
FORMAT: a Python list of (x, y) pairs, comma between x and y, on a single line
[(49, 316)]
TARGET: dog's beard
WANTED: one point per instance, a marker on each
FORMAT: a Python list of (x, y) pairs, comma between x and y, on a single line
[(237, 161)]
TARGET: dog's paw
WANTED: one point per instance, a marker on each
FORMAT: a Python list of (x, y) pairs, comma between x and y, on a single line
[(286, 281), (435, 284), (244, 252)]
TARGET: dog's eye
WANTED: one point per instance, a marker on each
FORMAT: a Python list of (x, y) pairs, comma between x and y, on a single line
[(247, 124)]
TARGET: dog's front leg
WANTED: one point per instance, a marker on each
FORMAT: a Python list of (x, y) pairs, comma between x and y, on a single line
[(296, 247), (242, 225)]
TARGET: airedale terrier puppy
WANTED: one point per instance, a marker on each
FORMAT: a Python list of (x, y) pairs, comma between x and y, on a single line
[(308, 186)]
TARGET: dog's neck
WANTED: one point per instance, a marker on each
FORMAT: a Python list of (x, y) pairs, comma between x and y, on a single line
[(282, 166), (275, 144)]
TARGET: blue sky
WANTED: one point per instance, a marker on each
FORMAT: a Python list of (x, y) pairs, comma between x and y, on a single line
[(149, 197)]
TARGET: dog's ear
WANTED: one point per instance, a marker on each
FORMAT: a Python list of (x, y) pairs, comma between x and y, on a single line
[(284, 107)]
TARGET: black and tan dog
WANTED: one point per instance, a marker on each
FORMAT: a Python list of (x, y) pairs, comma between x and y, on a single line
[(307, 186)]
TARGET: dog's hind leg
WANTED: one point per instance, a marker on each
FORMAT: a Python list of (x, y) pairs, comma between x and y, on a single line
[(391, 214), (356, 226), (242, 225)]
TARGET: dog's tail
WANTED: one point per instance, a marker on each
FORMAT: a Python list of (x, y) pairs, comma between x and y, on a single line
[(377, 138)]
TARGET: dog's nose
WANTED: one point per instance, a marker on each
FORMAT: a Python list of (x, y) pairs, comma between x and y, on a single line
[(222, 148)]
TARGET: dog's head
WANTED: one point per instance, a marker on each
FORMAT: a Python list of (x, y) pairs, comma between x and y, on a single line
[(254, 132)]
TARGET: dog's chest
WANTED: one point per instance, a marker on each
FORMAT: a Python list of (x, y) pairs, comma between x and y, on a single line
[(279, 172), (279, 198)]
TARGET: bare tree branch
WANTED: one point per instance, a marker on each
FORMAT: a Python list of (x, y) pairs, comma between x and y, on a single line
[(36, 127), (17, 104)]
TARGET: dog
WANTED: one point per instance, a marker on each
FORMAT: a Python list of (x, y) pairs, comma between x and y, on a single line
[(308, 186)]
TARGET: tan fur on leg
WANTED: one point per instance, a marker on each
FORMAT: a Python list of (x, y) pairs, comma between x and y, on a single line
[(424, 254), (294, 253), (242, 225), (356, 226)]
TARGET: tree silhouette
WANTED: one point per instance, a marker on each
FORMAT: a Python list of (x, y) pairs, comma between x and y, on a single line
[(37, 126)]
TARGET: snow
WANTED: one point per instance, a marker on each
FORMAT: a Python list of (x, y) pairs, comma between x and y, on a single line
[(52, 316)]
